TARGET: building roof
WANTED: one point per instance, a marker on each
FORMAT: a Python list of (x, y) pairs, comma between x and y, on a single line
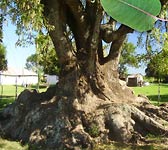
[(17, 71), (134, 75)]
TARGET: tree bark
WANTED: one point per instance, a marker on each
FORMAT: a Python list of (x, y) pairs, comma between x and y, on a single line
[(89, 104)]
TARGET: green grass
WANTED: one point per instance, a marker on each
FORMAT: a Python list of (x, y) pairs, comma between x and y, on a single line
[(10, 145), (151, 92), (8, 93), (122, 146)]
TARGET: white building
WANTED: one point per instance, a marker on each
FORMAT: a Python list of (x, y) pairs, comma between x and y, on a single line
[(14, 76), (51, 79)]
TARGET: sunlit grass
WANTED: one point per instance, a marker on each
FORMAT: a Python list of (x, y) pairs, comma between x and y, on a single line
[(151, 92), (10, 90), (10, 145)]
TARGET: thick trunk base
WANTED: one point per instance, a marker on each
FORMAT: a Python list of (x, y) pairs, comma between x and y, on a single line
[(49, 122)]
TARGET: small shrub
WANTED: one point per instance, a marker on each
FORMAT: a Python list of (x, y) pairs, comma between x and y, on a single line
[(94, 130)]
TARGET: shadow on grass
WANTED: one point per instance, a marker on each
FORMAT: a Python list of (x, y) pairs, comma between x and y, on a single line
[(40, 86), (121, 146), (154, 98), (164, 85), (6, 100)]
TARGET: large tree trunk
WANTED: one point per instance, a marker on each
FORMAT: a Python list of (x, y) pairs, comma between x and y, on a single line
[(89, 104)]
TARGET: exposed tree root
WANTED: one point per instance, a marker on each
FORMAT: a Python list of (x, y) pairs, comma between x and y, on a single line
[(59, 122)]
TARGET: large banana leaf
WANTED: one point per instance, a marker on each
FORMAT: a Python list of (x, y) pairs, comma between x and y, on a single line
[(137, 14)]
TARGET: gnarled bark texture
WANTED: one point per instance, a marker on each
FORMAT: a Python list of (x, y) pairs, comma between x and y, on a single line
[(89, 104)]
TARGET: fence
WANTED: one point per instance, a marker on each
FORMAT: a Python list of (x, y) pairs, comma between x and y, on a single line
[(13, 82)]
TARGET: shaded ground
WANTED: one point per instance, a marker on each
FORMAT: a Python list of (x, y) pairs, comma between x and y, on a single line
[(10, 145), (6, 100), (119, 146), (153, 98)]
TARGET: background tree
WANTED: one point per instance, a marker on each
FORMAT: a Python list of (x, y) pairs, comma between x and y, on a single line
[(45, 58), (1, 27), (31, 62), (46, 54), (128, 58), (157, 67), (158, 63), (88, 96), (3, 60)]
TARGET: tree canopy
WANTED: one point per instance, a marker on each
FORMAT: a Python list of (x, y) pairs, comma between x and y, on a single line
[(3, 60), (45, 56), (128, 58), (158, 64)]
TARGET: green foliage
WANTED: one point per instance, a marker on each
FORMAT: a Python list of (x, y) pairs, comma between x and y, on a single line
[(158, 65), (93, 130), (45, 58), (149, 79), (125, 12), (127, 58), (30, 22), (1, 25), (46, 54), (31, 63), (11, 145), (26, 15), (3, 61)]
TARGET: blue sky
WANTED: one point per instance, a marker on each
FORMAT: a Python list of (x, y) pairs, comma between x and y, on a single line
[(133, 38), (17, 56)]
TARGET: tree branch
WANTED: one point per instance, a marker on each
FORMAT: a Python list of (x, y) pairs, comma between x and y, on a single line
[(115, 49), (117, 38), (77, 21), (94, 35), (78, 12), (55, 13), (108, 34)]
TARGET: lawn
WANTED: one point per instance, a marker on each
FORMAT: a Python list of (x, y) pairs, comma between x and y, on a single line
[(151, 92), (10, 145), (8, 93)]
